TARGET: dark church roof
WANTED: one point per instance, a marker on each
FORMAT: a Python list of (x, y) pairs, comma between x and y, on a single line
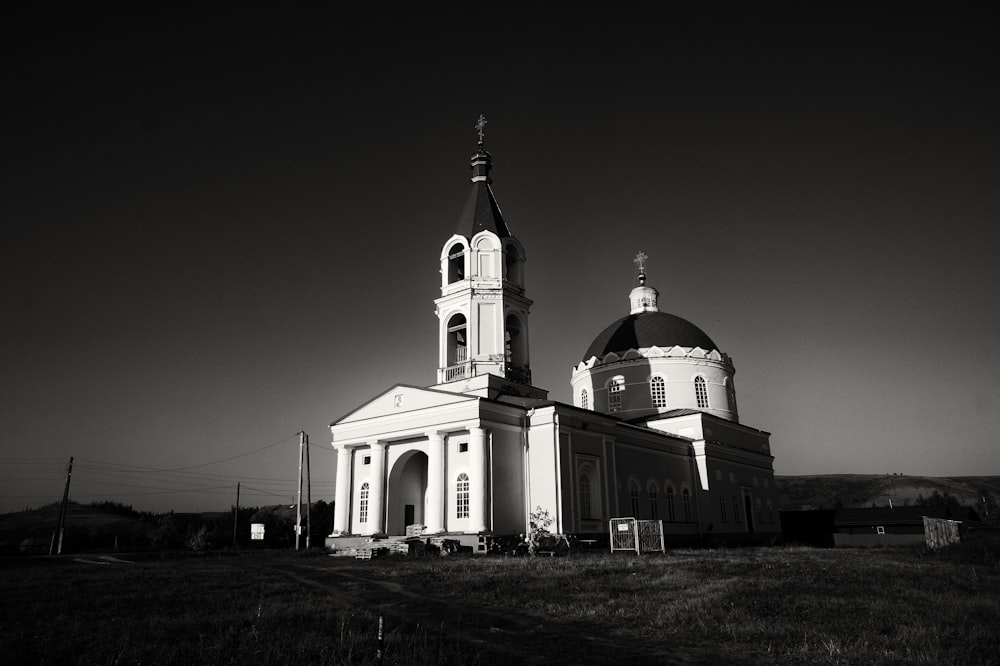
[(648, 329), (481, 213)]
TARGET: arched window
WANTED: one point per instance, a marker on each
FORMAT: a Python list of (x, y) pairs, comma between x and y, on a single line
[(457, 340), (512, 265), (658, 391), (731, 394), (584, 399), (516, 350), (456, 263), (363, 504), (585, 509), (588, 489), (701, 392), (633, 490), (654, 496), (615, 388), (686, 497), (462, 496), (671, 506)]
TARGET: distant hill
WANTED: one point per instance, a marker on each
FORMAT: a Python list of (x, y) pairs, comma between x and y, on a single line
[(851, 491), (85, 524), (113, 526)]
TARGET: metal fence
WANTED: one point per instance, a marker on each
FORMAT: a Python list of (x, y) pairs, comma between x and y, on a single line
[(641, 536)]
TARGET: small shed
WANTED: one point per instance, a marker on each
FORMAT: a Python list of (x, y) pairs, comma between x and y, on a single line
[(870, 527)]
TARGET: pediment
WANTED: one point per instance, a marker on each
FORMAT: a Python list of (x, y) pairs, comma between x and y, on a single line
[(402, 398)]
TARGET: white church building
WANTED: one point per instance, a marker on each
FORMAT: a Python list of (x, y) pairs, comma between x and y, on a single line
[(653, 431)]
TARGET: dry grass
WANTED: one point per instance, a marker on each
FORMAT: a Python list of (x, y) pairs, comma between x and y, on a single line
[(766, 605)]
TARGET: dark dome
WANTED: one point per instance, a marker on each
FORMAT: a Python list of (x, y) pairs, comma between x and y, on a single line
[(646, 329)]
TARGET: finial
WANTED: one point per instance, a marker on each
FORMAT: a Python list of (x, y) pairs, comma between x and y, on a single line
[(640, 262), (481, 127)]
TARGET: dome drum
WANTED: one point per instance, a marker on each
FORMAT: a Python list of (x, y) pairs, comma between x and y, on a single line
[(649, 386), (650, 363)]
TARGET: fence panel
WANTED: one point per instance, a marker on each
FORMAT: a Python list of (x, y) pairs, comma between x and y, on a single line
[(641, 536), (624, 534), (651, 536)]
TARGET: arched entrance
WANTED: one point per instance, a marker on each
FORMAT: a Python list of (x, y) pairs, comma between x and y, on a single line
[(406, 492)]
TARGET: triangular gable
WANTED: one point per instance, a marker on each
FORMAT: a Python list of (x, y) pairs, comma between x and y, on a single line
[(402, 398)]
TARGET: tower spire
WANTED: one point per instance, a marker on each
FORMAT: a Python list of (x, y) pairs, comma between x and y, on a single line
[(483, 311), (481, 212)]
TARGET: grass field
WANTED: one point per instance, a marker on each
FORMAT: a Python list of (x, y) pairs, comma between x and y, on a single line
[(713, 606)]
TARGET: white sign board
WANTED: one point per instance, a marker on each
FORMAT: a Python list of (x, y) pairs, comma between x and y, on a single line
[(256, 531)]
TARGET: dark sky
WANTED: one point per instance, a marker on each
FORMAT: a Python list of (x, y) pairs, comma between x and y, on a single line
[(219, 230)]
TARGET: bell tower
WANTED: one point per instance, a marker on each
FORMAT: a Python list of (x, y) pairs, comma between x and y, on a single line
[(482, 311)]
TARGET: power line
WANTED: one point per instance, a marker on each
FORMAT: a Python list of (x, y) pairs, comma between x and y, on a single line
[(112, 468), (154, 480), (213, 462)]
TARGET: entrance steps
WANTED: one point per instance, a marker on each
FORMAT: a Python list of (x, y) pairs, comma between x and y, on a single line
[(414, 542)]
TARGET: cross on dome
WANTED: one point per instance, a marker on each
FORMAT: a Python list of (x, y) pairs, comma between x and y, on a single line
[(640, 262)]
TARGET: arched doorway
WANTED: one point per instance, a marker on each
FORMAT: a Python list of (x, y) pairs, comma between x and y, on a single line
[(406, 492)]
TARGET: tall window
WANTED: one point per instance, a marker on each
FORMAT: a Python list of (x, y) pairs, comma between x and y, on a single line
[(633, 491), (363, 504), (457, 341), (615, 388), (588, 488), (462, 496), (731, 394), (456, 263), (701, 392), (658, 391), (671, 510), (584, 399), (722, 508), (512, 265), (736, 508), (654, 496), (686, 497), (515, 343)]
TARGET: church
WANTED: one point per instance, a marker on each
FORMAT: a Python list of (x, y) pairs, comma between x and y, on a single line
[(653, 432)]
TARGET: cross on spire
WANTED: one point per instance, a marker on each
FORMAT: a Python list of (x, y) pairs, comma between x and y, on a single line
[(481, 127)]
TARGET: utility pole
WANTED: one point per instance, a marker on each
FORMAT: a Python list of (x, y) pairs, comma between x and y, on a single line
[(236, 514), (57, 541), (309, 529), (298, 503)]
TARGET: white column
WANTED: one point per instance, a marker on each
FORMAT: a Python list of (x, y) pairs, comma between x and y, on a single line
[(376, 490), (701, 459), (342, 502), (477, 480), (434, 508)]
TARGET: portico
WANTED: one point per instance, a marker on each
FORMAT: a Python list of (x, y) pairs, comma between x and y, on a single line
[(436, 478)]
